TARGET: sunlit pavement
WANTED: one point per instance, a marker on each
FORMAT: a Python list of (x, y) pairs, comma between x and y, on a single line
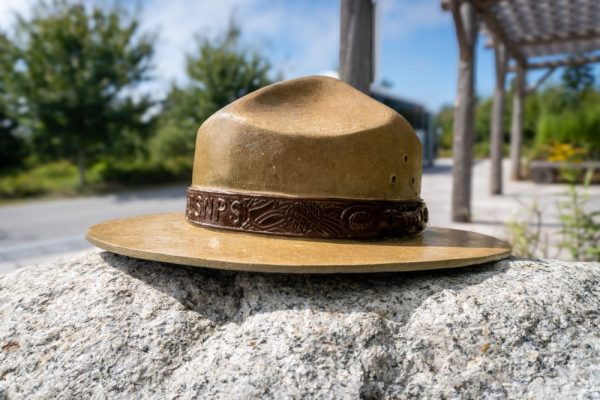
[(490, 213), (52, 231)]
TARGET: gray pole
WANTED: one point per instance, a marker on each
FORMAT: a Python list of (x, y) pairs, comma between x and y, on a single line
[(516, 132), (356, 43), (464, 111), (496, 129)]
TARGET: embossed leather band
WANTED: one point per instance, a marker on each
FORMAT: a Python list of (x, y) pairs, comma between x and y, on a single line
[(306, 217)]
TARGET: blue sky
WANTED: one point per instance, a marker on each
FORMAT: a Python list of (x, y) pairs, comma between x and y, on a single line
[(417, 49)]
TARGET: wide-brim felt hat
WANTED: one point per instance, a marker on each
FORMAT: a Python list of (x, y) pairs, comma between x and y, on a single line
[(302, 176)]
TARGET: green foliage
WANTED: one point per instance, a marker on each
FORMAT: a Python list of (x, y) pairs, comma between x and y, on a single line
[(443, 121), (526, 236), (220, 71), (578, 125), (59, 177), (569, 113), (565, 114), (579, 78), (66, 78), (580, 228), (77, 67), (579, 225), (138, 172), (12, 147), (483, 117)]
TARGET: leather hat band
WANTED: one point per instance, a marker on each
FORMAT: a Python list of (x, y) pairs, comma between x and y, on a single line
[(305, 217)]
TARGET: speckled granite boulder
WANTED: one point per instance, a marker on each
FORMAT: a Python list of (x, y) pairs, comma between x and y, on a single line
[(106, 326)]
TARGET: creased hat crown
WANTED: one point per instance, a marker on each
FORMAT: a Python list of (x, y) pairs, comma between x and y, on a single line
[(309, 137)]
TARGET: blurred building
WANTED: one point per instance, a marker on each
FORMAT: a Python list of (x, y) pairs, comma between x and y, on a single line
[(416, 114)]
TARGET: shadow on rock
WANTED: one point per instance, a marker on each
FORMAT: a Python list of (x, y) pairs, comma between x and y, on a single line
[(233, 296)]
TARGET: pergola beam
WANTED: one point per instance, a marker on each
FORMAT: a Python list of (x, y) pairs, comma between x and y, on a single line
[(540, 81), (499, 34), (565, 62), (447, 4), (558, 38)]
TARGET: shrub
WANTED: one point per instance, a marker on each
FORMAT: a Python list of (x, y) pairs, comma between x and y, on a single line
[(141, 172), (525, 236), (580, 228), (56, 177), (578, 127)]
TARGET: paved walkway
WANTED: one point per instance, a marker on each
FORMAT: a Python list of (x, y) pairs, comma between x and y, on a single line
[(492, 212), (49, 231)]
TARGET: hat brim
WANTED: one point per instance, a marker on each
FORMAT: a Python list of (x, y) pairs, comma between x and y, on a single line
[(169, 238)]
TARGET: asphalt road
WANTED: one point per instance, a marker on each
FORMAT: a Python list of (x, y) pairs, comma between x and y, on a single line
[(50, 231), (44, 231)]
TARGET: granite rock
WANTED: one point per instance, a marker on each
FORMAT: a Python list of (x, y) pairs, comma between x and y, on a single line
[(106, 326)]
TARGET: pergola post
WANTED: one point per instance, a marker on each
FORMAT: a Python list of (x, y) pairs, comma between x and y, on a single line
[(464, 111), (568, 31), (356, 43), (516, 131), (497, 123)]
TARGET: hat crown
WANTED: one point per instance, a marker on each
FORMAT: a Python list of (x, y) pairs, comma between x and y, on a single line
[(309, 137), (312, 106)]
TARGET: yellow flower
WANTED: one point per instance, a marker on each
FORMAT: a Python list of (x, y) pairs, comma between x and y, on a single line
[(562, 152)]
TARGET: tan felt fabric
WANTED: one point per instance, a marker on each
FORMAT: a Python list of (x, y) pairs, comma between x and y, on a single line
[(309, 137), (169, 238), (312, 137)]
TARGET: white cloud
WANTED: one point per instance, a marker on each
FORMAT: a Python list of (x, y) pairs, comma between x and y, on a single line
[(9, 9), (177, 21), (298, 43)]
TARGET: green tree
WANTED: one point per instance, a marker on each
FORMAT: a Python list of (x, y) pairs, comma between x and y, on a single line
[(219, 72), (443, 122), (444, 119), (578, 79), (483, 120), (12, 147), (78, 67)]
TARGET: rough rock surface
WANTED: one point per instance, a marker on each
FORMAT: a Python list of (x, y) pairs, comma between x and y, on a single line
[(106, 326)]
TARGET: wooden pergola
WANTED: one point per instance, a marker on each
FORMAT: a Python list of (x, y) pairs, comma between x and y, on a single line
[(534, 34), (525, 35)]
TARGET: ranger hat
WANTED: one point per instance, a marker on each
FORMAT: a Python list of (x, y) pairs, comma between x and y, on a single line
[(303, 176)]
